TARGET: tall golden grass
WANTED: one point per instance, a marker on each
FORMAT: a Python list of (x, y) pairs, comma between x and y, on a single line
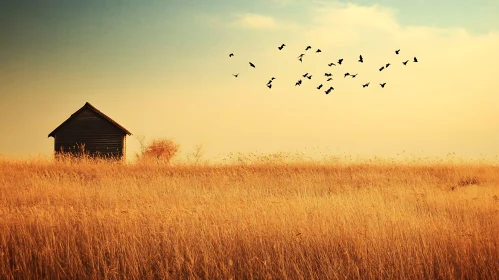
[(268, 219)]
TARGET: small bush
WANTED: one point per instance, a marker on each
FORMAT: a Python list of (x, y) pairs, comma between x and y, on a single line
[(161, 151)]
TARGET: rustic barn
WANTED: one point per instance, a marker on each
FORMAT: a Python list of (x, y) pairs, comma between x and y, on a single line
[(90, 131)]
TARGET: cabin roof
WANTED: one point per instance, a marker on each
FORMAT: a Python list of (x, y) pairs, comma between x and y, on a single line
[(92, 108)]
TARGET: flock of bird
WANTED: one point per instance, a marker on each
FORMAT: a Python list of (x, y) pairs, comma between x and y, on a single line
[(327, 75)]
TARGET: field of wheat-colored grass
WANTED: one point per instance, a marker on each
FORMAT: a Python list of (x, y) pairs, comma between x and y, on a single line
[(263, 220)]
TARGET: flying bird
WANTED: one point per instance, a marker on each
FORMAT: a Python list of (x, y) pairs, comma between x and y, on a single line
[(308, 48), (319, 87), (405, 62), (340, 61), (328, 74), (346, 74), (382, 67), (282, 46), (269, 85), (300, 59), (388, 64), (329, 90), (298, 83), (309, 77), (397, 51), (382, 85), (231, 55), (305, 75), (331, 64), (354, 75), (318, 50), (365, 85), (329, 79), (235, 75), (361, 60), (301, 55), (415, 59), (252, 65)]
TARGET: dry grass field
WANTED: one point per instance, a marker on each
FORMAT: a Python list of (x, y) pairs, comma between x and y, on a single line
[(263, 220)]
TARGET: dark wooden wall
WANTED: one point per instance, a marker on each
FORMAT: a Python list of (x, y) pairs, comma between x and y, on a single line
[(99, 136)]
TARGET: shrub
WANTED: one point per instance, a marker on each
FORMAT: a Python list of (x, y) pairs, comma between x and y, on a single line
[(160, 150)]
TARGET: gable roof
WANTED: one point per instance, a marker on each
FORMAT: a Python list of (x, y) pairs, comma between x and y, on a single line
[(92, 108)]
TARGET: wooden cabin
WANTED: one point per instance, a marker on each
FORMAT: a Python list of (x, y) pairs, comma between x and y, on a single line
[(89, 131)]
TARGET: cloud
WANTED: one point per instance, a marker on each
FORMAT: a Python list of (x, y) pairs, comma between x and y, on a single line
[(284, 3), (259, 21), (241, 20), (348, 23), (249, 20)]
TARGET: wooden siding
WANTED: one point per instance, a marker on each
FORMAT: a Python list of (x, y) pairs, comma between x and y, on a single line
[(97, 134)]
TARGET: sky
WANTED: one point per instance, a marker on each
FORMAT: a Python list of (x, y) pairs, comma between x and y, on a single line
[(161, 69)]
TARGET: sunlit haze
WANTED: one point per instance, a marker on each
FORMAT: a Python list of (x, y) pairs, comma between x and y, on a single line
[(161, 69)]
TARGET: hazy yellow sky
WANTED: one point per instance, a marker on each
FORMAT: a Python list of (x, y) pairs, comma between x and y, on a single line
[(161, 69)]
